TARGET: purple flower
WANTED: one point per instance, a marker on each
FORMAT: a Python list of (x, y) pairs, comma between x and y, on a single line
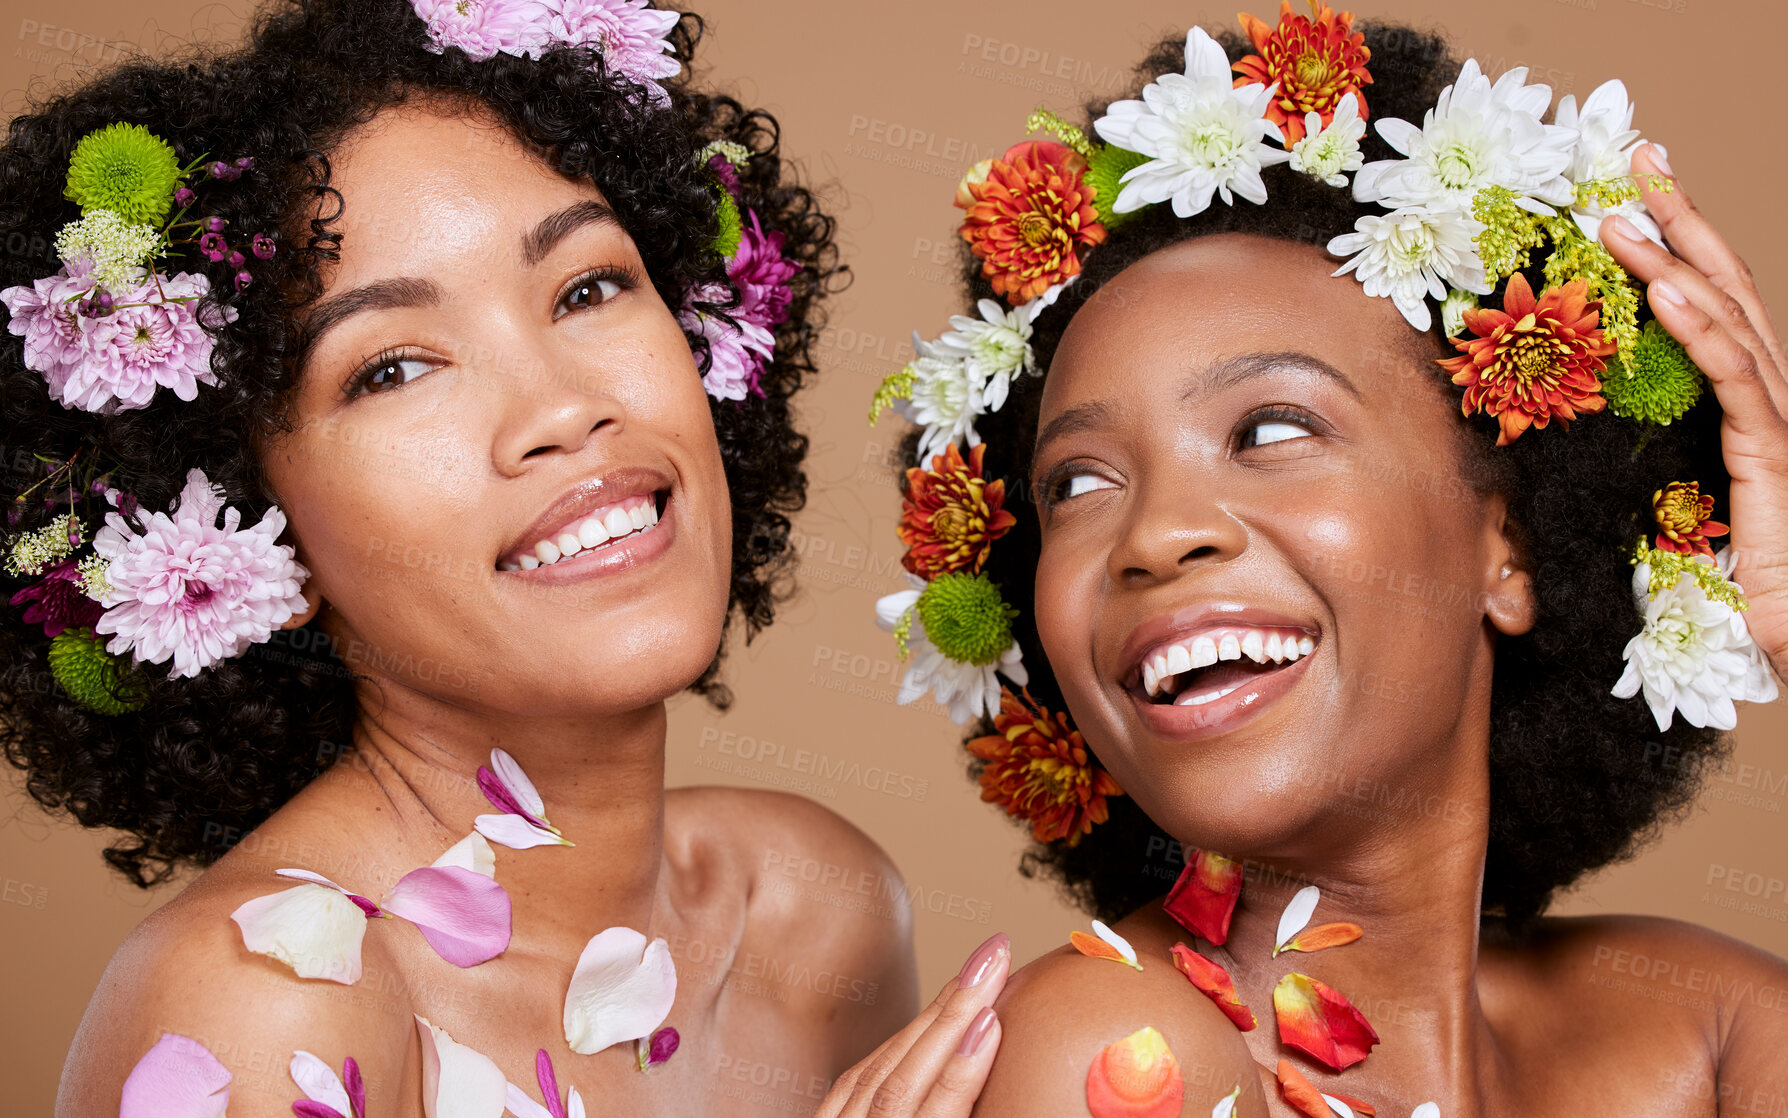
[(263, 246), (483, 28), (192, 590), (225, 171), (243, 279), (725, 171), (215, 224), (629, 33), (663, 1046), (183, 197), (213, 246), (243, 163), (56, 601), (155, 339), (44, 316), (237, 260), (761, 274), (736, 354)]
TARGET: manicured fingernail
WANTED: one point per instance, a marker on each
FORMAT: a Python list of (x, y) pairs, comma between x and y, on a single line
[(977, 1032), (1668, 292), (1620, 227), (981, 961), (1659, 157)]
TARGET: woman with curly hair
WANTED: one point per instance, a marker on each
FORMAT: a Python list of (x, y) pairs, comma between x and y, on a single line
[(1380, 655), (402, 417)]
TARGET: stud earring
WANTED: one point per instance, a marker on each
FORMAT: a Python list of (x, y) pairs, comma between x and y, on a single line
[(1506, 572)]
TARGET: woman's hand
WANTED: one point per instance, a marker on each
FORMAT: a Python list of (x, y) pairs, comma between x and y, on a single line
[(935, 1067), (1705, 296)]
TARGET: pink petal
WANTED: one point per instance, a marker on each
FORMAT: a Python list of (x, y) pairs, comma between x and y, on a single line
[(177, 1078), (549, 1082), (621, 990), (463, 915), (310, 1108), (457, 1081), (318, 1082), (522, 1106), (350, 1071), (664, 1046), (515, 832), (518, 784), (492, 787)]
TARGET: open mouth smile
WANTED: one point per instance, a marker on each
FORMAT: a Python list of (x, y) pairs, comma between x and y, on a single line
[(1214, 675)]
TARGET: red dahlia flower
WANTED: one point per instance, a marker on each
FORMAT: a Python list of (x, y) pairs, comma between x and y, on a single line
[(952, 515), (1684, 519), (1316, 63), (1038, 769), (1028, 219)]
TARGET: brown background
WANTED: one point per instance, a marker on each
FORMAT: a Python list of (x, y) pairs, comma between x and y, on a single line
[(886, 104)]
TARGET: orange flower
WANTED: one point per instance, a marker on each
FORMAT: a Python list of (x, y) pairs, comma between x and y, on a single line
[(952, 515), (1356, 1105), (1316, 63), (1028, 218), (1534, 360), (1317, 1020), (1204, 897), (1683, 520), (1104, 944), (1136, 1077), (1214, 982), (1323, 935), (1038, 769), (1300, 1093)]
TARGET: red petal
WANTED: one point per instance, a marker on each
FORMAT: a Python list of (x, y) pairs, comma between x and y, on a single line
[(1324, 935), (1136, 1077), (1358, 1106), (1297, 1091), (1214, 982), (1095, 948), (1318, 1020), (1203, 899)]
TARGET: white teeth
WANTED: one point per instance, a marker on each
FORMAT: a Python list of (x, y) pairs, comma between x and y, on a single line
[(1306, 646), (1272, 648), (1204, 652), (1200, 700), (638, 516), (508, 567), (1151, 682), (652, 513), (1229, 648), (1254, 646), (591, 532), (1178, 660), (529, 562), (547, 551), (1290, 648), (617, 522), (569, 544)]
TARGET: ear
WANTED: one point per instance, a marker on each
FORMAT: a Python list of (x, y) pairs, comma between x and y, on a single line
[(1508, 586)]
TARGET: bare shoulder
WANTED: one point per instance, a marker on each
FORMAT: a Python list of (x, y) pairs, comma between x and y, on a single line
[(1060, 1011), (184, 971)]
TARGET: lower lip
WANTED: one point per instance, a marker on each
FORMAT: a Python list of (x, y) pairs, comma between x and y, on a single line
[(633, 551), (1220, 715)]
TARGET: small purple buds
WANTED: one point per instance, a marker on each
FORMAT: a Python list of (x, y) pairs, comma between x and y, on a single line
[(243, 279), (215, 224), (213, 246), (263, 246), (237, 260), (183, 197)]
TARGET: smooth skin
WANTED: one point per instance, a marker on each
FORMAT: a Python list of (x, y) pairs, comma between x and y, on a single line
[(1209, 460), (502, 374)]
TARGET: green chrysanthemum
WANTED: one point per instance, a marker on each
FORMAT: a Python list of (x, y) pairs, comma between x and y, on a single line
[(1105, 169), (1655, 382), (965, 618), (124, 168), (731, 228), (92, 676)]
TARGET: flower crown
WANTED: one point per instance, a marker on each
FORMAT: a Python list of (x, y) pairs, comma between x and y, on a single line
[(1484, 189), (109, 329)]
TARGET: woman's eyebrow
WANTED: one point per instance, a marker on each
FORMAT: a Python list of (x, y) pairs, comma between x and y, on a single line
[(1237, 369), (380, 295), (556, 227), (1082, 417)]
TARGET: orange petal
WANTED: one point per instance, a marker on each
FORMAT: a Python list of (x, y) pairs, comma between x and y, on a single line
[(1358, 1106), (1316, 1019), (1299, 1092), (1095, 948), (1137, 1077), (1214, 982), (1204, 897), (1324, 935)]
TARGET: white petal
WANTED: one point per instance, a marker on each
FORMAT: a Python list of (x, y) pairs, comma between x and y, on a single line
[(458, 1082), (319, 1082), (1340, 1109), (517, 782), (621, 990), (515, 832), (1226, 1105), (312, 929), (574, 1105), (522, 1106), (888, 609), (1426, 1110), (1297, 914), (1117, 941), (471, 853), (313, 878)]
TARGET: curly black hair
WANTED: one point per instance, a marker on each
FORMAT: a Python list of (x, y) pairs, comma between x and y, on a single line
[(1578, 778), (207, 758)]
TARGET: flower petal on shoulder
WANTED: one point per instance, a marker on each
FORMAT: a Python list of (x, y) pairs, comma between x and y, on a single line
[(464, 915), (177, 1078)]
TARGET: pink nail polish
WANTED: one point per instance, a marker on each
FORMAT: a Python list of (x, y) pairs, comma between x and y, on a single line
[(981, 961), (977, 1032), (1668, 292)]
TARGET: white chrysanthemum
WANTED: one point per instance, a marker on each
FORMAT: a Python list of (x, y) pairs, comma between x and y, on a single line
[(994, 348), (1476, 135), (1202, 134), (1452, 311), (1694, 655), (1413, 254), (193, 590), (116, 249), (1604, 142), (1326, 154), (945, 400), (968, 691)]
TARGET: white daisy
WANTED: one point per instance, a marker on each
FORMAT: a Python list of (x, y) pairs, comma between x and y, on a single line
[(1325, 154), (1476, 135), (1203, 135), (1411, 254), (1694, 655), (994, 349), (945, 400), (1605, 139), (968, 691)]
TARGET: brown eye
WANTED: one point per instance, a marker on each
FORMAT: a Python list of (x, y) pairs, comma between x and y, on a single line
[(1262, 434), (388, 371), (588, 292)]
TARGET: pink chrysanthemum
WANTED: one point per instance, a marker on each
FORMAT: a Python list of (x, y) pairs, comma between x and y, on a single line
[(56, 601), (630, 34), (154, 339), (483, 28), (736, 354), (43, 315), (761, 274), (188, 589)]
